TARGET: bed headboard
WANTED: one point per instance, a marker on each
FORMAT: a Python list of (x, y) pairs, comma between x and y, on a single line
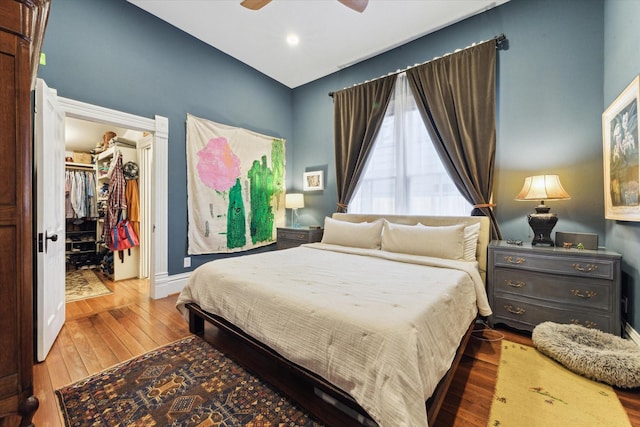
[(483, 239)]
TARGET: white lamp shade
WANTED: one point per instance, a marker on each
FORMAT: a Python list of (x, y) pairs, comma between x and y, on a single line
[(542, 187), (294, 201)]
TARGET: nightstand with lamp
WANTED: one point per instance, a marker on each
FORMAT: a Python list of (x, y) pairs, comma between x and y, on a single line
[(295, 235), (531, 283)]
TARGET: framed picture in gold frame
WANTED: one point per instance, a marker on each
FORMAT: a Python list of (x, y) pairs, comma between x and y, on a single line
[(621, 156)]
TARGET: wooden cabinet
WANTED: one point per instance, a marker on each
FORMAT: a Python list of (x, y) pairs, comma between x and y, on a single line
[(292, 237), (21, 31), (531, 284)]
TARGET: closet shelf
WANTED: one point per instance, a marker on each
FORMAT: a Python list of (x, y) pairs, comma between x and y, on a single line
[(82, 166), (80, 252)]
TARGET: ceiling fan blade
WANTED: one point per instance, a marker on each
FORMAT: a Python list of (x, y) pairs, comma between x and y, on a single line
[(357, 5), (254, 4)]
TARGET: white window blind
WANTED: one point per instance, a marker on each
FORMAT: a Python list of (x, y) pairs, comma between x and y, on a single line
[(404, 174)]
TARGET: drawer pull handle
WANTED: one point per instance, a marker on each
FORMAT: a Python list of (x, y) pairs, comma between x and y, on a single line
[(519, 310), (586, 323), (518, 284), (587, 268), (518, 260), (300, 236), (586, 294)]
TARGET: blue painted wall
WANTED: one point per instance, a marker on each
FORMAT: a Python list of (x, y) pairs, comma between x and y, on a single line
[(621, 66), (113, 54)]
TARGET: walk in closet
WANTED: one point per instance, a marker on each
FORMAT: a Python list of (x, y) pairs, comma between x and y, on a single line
[(90, 165)]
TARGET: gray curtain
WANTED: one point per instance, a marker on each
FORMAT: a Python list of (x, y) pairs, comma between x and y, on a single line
[(358, 114), (456, 96)]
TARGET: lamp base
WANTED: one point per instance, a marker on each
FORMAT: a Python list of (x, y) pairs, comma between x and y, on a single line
[(542, 224), (294, 218)]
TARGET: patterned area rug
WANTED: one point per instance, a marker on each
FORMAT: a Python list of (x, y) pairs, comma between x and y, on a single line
[(534, 390), (186, 383), (83, 284)]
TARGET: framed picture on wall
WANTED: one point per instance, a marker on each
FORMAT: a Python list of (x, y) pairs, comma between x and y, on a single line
[(621, 156), (313, 181)]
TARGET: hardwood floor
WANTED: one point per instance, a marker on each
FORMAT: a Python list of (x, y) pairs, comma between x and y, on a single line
[(101, 332)]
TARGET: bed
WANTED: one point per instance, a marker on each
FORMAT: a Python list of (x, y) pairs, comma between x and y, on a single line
[(376, 315)]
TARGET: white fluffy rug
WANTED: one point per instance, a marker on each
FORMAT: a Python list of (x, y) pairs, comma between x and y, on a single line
[(589, 352)]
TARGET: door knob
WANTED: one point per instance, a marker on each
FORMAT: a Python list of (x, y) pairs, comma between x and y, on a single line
[(42, 243)]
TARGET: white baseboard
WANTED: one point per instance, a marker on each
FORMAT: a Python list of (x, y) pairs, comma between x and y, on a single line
[(632, 334), (168, 285)]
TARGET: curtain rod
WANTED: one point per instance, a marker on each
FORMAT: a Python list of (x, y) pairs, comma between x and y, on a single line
[(501, 42)]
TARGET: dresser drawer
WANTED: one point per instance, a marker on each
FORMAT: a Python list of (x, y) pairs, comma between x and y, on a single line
[(286, 244), (582, 292), (581, 266), (528, 314), (296, 235)]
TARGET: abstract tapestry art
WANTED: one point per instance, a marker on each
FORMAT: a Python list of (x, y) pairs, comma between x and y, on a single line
[(235, 187)]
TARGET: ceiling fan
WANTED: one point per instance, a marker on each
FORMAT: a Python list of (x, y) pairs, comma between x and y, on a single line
[(357, 5)]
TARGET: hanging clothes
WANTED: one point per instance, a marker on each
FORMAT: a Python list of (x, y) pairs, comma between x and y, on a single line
[(132, 197), (116, 201), (92, 201), (68, 206), (80, 201)]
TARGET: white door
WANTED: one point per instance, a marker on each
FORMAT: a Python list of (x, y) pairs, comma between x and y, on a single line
[(49, 178)]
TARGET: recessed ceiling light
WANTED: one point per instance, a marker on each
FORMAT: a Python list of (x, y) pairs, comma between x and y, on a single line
[(292, 39)]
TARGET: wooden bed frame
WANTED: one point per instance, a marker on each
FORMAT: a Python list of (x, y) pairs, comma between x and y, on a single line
[(197, 318)]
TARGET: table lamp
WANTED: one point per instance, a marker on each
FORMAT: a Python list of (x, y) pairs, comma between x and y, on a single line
[(542, 187), (294, 201)]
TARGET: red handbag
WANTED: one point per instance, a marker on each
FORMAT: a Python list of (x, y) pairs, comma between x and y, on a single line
[(123, 237)]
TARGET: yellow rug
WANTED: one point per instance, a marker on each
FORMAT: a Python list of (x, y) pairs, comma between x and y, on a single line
[(534, 390)]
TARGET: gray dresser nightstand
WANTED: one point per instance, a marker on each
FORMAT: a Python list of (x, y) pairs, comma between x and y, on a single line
[(292, 237), (529, 284)]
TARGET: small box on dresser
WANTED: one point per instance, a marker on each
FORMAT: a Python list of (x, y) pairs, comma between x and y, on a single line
[(528, 285), (291, 237)]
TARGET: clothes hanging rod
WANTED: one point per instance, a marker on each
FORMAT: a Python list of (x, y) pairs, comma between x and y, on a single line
[(501, 43)]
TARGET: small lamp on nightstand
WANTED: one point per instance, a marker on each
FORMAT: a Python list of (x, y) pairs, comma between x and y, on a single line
[(542, 187), (294, 201)]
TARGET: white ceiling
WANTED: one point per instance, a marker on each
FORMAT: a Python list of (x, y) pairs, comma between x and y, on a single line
[(331, 35)]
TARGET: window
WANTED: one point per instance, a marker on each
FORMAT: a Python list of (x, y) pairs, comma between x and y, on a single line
[(403, 174)]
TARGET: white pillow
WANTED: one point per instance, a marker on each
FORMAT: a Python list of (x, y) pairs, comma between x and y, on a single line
[(441, 242), (471, 234), (355, 234)]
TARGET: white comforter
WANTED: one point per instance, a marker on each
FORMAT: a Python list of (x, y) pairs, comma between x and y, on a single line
[(384, 327)]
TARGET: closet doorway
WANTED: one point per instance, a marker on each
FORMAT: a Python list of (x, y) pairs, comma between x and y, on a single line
[(51, 113), (92, 268)]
